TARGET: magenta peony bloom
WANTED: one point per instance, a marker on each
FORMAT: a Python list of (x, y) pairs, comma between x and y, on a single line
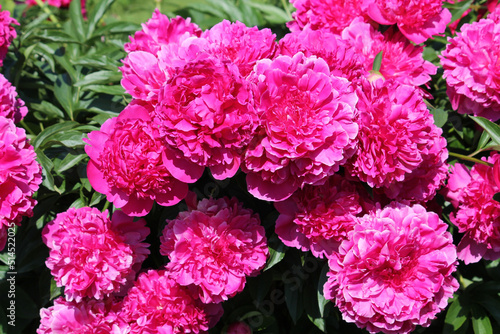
[(329, 15), (20, 174), (89, 316), (342, 60), (478, 214), (241, 45), (394, 271), (214, 247), (400, 148), (239, 328), (158, 304), (91, 255), (7, 34), (205, 109), (142, 76), (470, 64), (128, 163), (10, 105), (418, 20), (307, 130), (401, 60), (318, 218), (160, 31)]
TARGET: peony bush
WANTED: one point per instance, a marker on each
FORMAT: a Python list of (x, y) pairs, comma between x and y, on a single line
[(250, 166)]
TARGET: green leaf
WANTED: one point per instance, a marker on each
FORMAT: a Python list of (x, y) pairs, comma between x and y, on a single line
[(377, 62), (64, 93), (100, 77), (496, 197), (68, 138), (490, 127), (322, 301), (47, 166), (57, 36), (76, 18), (456, 316), (492, 304), (294, 301), (276, 252), (42, 137), (48, 109), (272, 14), (483, 140), (480, 321), (101, 62), (96, 14), (440, 116), (457, 9), (104, 89), (69, 161)]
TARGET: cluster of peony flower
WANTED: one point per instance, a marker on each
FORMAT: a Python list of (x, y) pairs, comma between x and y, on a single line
[(311, 125), (478, 214), (20, 176), (212, 248), (471, 70), (393, 271), (417, 20), (94, 256)]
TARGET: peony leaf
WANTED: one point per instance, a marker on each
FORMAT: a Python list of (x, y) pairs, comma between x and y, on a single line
[(440, 116), (76, 19), (491, 302), (322, 301), (294, 300), (455, 317), (276, 252), (377, 62), (483, 140), (480, 321), (457, 9), (96, 14), (496, 197), (490, 127)]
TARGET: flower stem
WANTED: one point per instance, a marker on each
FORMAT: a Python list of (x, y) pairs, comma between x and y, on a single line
[(47, 10), (465, 157)]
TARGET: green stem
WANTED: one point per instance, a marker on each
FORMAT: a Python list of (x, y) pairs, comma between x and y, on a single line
[(158, 4), (47, 10), (465, 157)]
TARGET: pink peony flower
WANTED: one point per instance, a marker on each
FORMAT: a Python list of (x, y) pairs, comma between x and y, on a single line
[(89, 316), (478, 214), (470, 63), (394, 271), (7, 33), (160, 31), (401, 60), (318, 218), (239, 328), (205, 109), (158, 304), (20, 174), (91, 255), (342, 60), (10, 105), (330, 15), (307, 130), (214, 247), (241, 45), (128, 163), (418, 20), (142, 76), (400, 148)]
